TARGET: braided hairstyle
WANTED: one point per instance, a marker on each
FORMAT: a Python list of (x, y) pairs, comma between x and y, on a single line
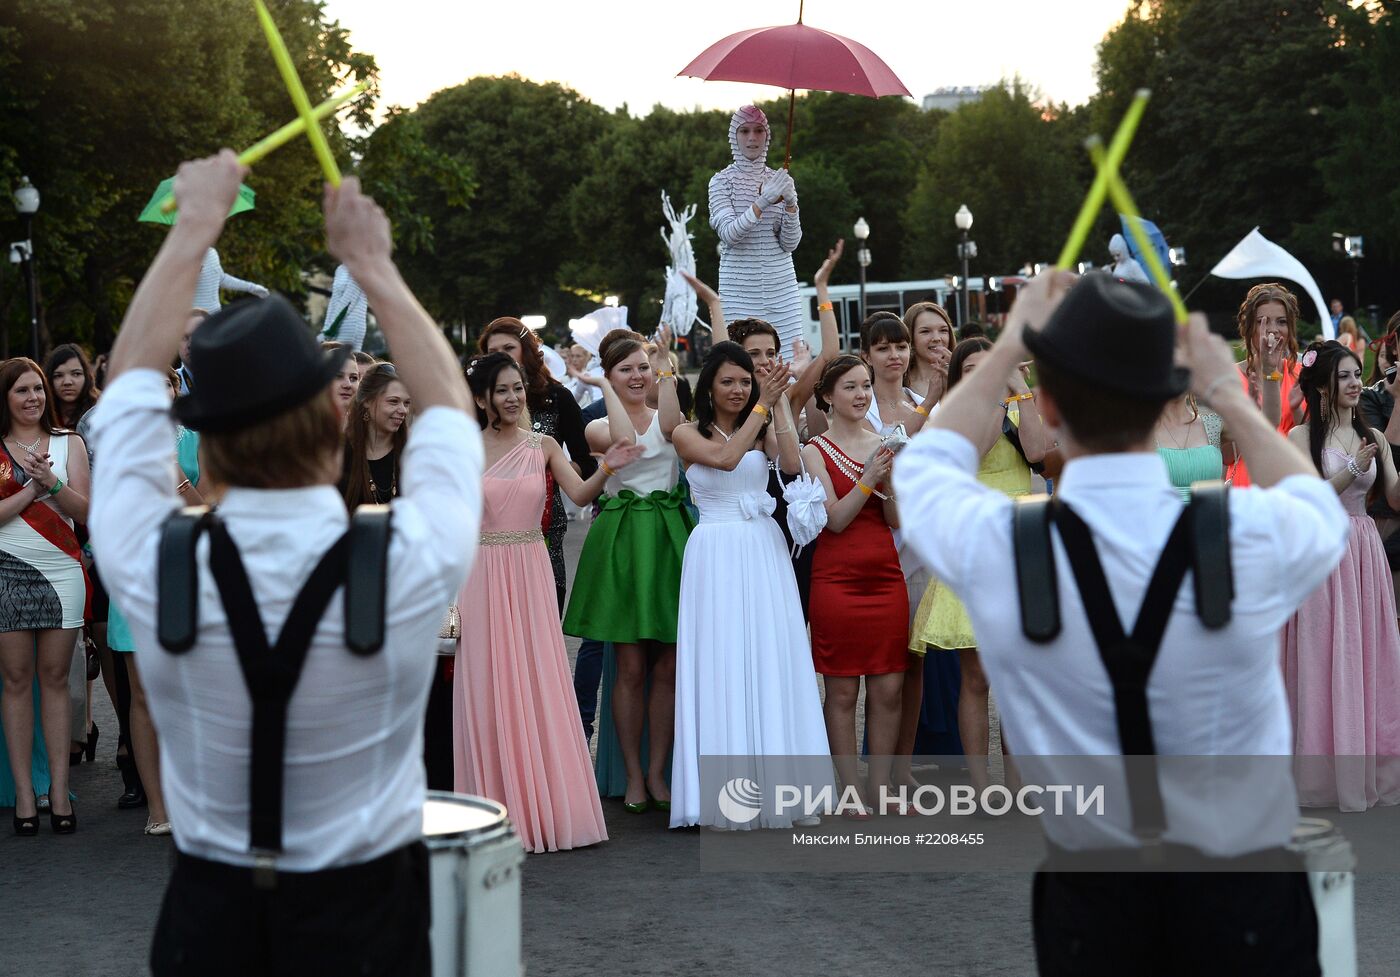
[(1318, 379), (833, 373)]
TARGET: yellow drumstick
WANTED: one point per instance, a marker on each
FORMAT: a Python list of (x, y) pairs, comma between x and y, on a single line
[(1093, 202), (299, 99), (1123, 201), (284, 135)]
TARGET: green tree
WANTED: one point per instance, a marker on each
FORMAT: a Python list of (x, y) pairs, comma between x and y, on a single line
[(1012, 162), (102, 99), (527, 145)]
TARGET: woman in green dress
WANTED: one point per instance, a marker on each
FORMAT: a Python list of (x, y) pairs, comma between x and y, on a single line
[(1191, 441), (627, 587)]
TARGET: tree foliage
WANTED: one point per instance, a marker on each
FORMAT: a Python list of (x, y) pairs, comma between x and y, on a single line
[(103, 99), (1011, 162)]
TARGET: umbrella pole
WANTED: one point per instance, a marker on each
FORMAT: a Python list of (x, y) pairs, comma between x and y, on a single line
[(792, 104)]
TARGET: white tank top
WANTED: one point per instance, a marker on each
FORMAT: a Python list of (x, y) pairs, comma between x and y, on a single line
[(655, 471)]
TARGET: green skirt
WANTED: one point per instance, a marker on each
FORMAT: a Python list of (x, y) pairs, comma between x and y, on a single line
[(627, 587)]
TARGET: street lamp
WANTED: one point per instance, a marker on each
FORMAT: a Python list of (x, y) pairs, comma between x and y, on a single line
[(862, 231), (1354, 247), (966, 250), (26, 198)]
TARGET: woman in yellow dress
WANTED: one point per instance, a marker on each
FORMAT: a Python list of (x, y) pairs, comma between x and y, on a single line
[(941, 620)]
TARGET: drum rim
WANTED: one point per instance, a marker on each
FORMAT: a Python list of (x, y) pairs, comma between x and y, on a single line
[(485, 832)]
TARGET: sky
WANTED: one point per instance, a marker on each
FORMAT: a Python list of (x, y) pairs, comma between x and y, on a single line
[(628, 51)]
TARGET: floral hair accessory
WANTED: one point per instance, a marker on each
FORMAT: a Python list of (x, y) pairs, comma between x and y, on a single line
[(1310, 357)]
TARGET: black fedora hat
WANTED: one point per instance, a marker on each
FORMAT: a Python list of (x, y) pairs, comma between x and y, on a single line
[(1118, 335), (251, 361)]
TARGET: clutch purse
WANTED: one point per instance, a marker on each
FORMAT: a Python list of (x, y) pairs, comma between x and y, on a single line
[(895, 440), (451, 625), (806, 509)]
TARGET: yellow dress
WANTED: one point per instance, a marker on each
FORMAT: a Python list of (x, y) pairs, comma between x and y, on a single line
[(941, 620)]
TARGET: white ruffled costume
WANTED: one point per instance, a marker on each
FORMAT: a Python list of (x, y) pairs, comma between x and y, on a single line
[(346, 312), (212, 277), (756, 277)]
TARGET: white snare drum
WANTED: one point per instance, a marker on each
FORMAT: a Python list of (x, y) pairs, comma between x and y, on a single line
[(474, 865), (1330, 865)]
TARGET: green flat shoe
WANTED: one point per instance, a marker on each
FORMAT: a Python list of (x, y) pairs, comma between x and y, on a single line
[(660, 805), (639, 808)]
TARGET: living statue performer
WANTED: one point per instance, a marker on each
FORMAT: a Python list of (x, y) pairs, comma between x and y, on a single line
[(753, 209), (212, 277), (346, 311)]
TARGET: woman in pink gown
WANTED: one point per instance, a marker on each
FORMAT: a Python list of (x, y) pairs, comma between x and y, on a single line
[(1341, 650), (516, 736)]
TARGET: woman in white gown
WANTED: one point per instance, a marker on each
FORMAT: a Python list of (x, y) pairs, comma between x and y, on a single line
[(745, 686)]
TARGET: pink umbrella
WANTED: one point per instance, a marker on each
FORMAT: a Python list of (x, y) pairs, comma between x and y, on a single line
[(796, 56)]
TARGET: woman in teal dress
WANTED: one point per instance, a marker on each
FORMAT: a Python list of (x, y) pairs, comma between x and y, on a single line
[(627, 588), (143, 732), (1191, 442)]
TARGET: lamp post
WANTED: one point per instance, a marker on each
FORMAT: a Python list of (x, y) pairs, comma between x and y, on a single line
[(862, 231), (1353, 246), (966, 250), (26, 198)]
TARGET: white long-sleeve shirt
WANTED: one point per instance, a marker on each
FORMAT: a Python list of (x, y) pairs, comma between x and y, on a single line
[(354, 782), (212, 277), (1211, 694)]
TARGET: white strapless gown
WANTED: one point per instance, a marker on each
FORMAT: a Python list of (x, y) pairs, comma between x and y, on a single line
[(746, 693)]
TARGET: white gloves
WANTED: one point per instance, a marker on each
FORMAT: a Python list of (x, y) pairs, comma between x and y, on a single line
[(775, 188)]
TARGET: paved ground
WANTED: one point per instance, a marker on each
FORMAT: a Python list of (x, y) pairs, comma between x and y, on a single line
[(641, 905)]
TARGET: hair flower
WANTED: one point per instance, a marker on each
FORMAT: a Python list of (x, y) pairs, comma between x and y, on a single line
[(1310, 357)]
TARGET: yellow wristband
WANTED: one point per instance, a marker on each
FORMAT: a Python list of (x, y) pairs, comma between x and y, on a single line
[(608, 471), (1276, 376), (760, 409), (921, 409), (825, 307), (865, 490), (665, 375)]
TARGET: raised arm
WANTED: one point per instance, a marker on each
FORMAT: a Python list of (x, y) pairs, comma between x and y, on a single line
[(1035, 440), (801, 391), (231, 283), (789, 229), (620, 429), (357, 234), (719, 329), (584, 491), (668, 402), (783, 434)]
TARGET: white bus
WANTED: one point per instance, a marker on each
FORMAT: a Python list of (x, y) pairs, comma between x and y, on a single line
[(988, 299)]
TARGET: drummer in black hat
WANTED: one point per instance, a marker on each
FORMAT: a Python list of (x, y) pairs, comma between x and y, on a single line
[(293, 767), (1197, 676)]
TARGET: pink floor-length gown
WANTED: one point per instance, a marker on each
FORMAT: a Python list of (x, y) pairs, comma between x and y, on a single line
[(516, 734), (1341, 666)]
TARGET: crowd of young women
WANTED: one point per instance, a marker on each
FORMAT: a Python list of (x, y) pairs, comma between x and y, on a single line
[(715, 618)]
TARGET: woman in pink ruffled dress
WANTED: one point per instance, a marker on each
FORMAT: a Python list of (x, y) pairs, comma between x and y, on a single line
[(1341, 650), (516, 736)]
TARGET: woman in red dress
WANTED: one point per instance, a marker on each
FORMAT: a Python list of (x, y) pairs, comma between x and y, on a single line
[(859, 602)]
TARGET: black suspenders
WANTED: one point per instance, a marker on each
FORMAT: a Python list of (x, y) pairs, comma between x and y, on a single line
[(1199, 541), (358, 560)]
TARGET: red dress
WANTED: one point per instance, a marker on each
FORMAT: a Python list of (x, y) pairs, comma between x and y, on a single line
[(859, 603)]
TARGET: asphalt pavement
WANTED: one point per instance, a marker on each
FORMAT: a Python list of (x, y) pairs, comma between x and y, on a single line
[(643, 904)]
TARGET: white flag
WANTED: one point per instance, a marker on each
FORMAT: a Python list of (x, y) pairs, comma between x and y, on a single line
[(1258, 257)]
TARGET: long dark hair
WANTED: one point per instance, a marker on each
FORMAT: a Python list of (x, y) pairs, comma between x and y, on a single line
[(10, 372), (481, 378), (537, 377), (1388, 342), (1317, 379), (87, 397), (372, 387), (964, 349), (720, 354)]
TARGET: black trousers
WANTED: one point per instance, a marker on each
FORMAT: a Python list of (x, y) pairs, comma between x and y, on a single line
[(1166, 924), (369, 919)]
